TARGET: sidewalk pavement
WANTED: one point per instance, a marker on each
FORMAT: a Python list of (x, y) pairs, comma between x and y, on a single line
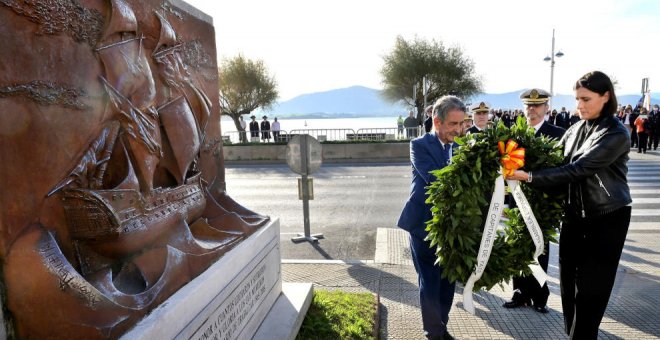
[(631, 314)]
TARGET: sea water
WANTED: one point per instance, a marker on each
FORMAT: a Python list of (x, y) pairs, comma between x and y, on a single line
[(321, 123)]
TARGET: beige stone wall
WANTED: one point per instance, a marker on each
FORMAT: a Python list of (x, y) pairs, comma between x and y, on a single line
[(359, 152)]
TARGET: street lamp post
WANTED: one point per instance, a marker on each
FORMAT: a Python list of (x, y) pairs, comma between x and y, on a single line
[(551, 59)]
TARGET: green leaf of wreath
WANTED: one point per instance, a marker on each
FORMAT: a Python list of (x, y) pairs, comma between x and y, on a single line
[(461, 196)]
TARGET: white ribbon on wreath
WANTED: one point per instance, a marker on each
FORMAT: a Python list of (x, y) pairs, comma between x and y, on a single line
[(490, 233)]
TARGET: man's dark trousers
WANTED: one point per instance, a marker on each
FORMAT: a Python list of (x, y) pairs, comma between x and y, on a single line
[(436, 294), (527, 288)]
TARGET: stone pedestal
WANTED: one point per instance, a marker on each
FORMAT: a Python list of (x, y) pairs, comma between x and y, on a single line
[(228, 301), (288, 312)]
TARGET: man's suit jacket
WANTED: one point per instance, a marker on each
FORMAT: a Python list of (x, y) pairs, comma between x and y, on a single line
[(551, 131), (563, 120), (426, 154), (474, 129)]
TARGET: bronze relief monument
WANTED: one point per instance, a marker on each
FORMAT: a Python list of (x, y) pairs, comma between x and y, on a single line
[(111, 167)]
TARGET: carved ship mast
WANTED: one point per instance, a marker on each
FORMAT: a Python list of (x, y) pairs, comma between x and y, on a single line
[(109, 199)]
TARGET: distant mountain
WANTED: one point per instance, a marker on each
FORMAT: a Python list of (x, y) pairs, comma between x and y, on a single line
[(354, 101), (360, 101)]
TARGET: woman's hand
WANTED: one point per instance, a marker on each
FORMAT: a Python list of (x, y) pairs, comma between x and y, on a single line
[(519, 175)]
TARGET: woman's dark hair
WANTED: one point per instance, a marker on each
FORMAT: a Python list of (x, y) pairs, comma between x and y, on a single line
[(599, 82)]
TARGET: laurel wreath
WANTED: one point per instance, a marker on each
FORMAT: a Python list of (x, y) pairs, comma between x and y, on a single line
[(461, 196)]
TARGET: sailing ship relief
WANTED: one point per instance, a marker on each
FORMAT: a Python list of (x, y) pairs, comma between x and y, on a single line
[(109, 197), (112, 161), (138, 184)]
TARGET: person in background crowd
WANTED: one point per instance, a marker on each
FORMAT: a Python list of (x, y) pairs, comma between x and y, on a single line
[(432, 151), (642, 124), (506, 118), (527, 290), (598, 205), (479, 117), (553, 117), (399, 126), (254, 128), (265, 129), (575, 117), (467, 124), (428, 122), (625, 119), (654, 119), (633, 132), (563, 119), (411, 125), (621, 113), (516, 114), (275, 127), (494, 117), (242, 135)]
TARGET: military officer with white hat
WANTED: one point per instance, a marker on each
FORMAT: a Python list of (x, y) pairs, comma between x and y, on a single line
[(479, 117), (527, 291)]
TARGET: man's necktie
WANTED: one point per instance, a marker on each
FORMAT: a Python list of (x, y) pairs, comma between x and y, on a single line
[(445, 149)]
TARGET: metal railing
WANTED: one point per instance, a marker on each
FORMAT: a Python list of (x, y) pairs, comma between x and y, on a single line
[(264, 136), (323, 135)]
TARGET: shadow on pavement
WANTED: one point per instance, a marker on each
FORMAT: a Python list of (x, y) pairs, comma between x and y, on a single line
[(518, 323)]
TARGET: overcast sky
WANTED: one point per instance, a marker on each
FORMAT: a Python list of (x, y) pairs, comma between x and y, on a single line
[(312, 46)]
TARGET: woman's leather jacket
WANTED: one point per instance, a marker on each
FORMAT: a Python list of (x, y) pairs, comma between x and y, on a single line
[(596, 172)]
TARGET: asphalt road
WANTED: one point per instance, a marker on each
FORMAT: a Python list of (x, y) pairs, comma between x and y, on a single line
[(353, 200), (350, 202)]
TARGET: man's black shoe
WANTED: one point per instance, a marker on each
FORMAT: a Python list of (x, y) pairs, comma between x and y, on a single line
[(444, 336), (541, 309), (515, 304)]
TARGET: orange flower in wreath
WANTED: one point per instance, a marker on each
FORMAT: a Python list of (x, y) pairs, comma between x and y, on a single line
[(513, 157)]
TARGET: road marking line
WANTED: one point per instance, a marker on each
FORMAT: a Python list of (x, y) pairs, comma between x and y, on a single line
[(643, 184), (645, 191), (646, 200), (646, 212), (303, 261)]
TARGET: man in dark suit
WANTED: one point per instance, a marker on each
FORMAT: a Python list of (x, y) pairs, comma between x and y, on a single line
[(430, 152), (254, 129), (480, 117), (428, 122), (563, 119), (527, 290), (633, 134), (575, 117), (411, 124)]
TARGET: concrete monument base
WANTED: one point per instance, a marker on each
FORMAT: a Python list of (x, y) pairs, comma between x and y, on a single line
[(287, 314), (229, 300)]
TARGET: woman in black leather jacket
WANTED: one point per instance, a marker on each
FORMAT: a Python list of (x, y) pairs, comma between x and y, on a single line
[(598, 206)]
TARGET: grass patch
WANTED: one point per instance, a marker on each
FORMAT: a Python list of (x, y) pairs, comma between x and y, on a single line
[(340, 315)]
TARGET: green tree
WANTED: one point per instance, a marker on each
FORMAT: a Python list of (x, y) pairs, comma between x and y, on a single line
[(245, 86), (447, 71)]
